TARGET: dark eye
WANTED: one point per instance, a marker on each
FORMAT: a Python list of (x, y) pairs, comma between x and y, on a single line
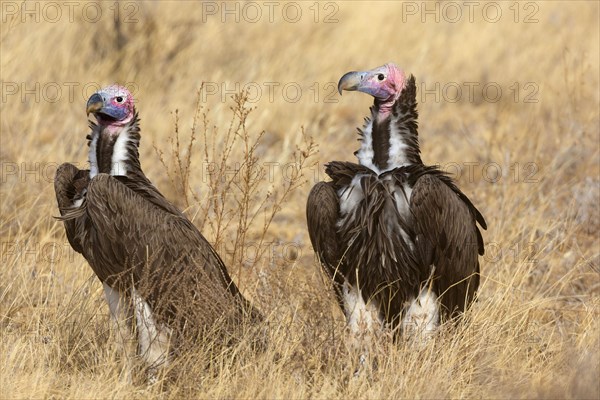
[(380, 77), (119, 99)]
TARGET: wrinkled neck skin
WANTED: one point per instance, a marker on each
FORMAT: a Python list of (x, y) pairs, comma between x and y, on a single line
[(111, 130), (383, 109)]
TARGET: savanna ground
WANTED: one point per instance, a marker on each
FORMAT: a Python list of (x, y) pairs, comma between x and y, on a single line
[(527, 156)]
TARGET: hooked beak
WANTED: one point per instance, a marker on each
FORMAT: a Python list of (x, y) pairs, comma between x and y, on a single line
[(350, 81), (94, 104)]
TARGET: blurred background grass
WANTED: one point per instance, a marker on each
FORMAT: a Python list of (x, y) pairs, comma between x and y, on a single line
[(527, 157)]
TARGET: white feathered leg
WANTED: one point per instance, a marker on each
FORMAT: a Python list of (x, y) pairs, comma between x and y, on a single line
[(153, 339), (364, 321), (422, 317), (121, 319)]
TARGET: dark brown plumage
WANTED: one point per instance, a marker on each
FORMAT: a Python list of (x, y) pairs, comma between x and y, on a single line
[(129, 234)]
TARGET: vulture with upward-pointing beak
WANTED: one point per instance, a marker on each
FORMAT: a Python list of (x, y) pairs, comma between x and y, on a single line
[(157, 269), (398, 238)]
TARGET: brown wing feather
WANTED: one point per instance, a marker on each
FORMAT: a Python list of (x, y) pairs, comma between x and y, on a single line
[(128, 239), (69, 185), (322, 214), (446, 235)]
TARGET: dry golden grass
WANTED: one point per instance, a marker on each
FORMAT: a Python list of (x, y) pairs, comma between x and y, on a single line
[(534, 332)]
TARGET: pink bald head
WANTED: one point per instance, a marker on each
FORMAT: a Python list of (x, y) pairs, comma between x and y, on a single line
[(385, 83), (112, 106)]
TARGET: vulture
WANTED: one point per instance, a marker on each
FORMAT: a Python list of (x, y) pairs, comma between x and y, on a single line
[(398, 239), (159, 273)]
